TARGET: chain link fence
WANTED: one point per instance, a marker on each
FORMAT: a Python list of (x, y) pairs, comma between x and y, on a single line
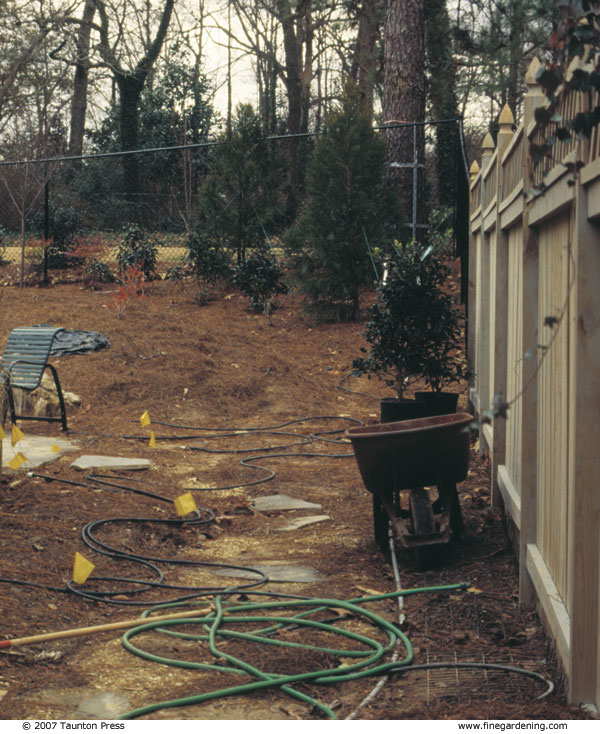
[(57, 211)]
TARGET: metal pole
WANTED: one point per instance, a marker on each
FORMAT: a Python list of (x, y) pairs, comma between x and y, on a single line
[(415, 183), (46, 222)]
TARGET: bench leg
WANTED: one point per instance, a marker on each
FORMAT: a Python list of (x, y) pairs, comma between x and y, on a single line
[(61, 400), (11, 405)]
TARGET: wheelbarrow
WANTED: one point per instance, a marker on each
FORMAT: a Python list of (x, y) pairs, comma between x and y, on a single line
[(400, 463)]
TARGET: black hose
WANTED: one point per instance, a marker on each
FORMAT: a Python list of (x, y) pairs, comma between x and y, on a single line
[(135, 587)]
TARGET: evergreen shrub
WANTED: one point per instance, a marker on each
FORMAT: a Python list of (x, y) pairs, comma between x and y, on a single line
[(261, 278), (347, 223), (137, 249)]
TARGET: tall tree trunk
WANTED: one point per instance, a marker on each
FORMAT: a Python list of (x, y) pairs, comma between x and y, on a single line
[(130, 85), (130, 90), (80, 81), (517, 64), (297, 36), (229, 80), (404, 101), (364, 64), (292, 79), (442, 95)]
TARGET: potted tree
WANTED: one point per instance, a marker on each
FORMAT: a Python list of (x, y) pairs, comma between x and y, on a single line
[(414, 333)]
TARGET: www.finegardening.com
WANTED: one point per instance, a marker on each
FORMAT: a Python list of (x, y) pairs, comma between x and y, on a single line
[(507, 726)]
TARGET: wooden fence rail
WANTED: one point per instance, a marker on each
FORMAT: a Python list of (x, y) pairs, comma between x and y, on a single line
[(534, 342)]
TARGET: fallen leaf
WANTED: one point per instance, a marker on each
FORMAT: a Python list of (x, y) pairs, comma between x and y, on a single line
[(370, 592)]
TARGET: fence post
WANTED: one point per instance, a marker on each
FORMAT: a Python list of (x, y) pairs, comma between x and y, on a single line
[(472, 297), (584, 440), (499, 303), (473, 171), (482, 356), (529, 339)]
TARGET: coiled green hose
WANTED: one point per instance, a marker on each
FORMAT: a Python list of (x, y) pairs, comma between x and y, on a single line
[(216, 627)]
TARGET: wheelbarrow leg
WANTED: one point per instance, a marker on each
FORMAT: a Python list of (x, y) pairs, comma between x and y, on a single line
[(449, 500), (380, 524)]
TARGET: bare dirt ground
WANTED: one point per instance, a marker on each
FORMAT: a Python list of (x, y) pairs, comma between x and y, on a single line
[(220, 366)]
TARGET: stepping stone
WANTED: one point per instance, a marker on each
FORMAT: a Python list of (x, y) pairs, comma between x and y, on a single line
[(279, 502), (104, 706), (302, 522), (37, 450), (276, 573), (117, 463)]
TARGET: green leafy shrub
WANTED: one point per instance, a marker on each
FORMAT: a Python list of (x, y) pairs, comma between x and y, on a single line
[(96, 272), (415, 326), (261, 278), (208, 260), (177, 274), (137, 249)]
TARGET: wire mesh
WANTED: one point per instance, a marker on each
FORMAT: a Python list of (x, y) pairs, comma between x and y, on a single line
[(460, 629), (90, 194)]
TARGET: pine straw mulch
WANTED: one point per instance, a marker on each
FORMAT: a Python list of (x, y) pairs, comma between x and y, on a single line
[(222, 366)]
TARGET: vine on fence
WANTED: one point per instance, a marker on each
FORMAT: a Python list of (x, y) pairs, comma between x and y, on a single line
[(577, 36)]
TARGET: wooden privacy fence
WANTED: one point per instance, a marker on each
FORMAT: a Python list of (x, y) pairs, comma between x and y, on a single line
[(534, 342)]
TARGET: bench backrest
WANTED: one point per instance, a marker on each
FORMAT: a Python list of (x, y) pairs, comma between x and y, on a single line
[(26, 355)]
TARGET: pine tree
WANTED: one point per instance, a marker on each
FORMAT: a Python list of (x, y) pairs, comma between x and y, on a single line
[(242, 202), (348, 216)]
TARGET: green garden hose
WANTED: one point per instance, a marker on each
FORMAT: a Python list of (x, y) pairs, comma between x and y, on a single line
[(370, 656)]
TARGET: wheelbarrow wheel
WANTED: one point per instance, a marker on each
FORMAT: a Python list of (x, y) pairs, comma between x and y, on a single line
[(380, 525)]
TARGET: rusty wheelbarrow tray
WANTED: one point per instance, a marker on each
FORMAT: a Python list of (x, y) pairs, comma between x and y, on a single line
[(412, 455)]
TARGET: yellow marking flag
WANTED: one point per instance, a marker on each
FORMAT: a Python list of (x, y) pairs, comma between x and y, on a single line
[(17, 435), (185, 503), (55, 449), (145, 418), (152, 442), (82, 568), (2, 434), (17, 461)]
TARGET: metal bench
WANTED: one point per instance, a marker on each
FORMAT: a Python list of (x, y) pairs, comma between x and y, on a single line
[(23, 363)]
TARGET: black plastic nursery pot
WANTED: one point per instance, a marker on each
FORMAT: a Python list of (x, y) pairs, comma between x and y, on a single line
[(437, 403), (400, 409), (424, 404)]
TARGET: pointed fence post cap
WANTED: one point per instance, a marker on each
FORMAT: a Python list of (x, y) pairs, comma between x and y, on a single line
[(506, 119), (474, 170), (488, 144), (532, 72)]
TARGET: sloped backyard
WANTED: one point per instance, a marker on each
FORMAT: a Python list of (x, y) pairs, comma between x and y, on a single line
[(207, 374)]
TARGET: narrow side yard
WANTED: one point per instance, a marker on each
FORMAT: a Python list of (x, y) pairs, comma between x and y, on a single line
[(206, 375)]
